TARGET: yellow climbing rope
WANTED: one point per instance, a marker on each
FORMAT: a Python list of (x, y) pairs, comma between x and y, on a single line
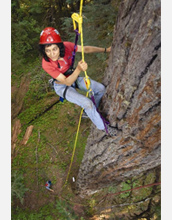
[(77, 20)]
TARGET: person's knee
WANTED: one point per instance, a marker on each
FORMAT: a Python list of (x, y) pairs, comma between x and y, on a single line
[(88, 105), (103, 89)]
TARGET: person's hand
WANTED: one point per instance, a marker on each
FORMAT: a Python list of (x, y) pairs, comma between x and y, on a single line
[(108, 50), (82, 66)]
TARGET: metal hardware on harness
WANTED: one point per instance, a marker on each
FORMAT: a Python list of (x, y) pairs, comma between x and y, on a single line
[(87, 82)]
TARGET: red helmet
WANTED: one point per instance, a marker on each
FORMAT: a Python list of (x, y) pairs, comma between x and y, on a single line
[(50, 36)]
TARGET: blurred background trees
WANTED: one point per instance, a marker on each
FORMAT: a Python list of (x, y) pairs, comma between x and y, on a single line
[(29, 17)]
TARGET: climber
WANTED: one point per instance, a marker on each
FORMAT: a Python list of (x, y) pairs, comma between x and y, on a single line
[(48, 185), (57, 60)]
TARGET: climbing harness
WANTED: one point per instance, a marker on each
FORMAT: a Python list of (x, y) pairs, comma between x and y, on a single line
[(77, 23)]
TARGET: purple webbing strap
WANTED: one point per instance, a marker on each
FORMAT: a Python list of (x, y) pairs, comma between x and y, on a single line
[(74, 51), (104, 121)]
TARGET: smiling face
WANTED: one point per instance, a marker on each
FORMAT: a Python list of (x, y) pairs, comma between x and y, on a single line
[(52, 51)]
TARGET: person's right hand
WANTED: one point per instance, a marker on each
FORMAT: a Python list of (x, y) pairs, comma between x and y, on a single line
[(82, 66)]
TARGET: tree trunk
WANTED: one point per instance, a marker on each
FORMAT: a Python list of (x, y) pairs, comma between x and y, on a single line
[(132, 101)]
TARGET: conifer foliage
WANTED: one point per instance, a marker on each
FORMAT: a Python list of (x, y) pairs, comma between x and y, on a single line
[(28, 18), (18, 188)]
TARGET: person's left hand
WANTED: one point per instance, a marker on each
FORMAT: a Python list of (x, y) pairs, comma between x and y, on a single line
[(108, 50)]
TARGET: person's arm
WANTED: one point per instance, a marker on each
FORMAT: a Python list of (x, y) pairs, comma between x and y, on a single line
[(82, 66), (92, 49)]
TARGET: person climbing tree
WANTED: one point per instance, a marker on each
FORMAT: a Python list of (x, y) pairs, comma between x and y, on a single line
[(48, 185), (57, 61)]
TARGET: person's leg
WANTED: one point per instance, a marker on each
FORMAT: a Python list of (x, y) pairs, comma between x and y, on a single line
[(97, 88), (59, 89), (73, 96)]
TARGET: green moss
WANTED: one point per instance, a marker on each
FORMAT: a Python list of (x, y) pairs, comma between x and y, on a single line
[(125, 186)]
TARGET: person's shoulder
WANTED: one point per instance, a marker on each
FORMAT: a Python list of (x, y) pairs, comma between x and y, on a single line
[(45, 63), (68, 44)]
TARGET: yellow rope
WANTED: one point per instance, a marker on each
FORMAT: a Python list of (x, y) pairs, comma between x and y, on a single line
[(78, 18), (76, 138)]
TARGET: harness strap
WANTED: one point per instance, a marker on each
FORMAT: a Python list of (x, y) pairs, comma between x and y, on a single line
[(67, 73), (64, 93), (74, 51)]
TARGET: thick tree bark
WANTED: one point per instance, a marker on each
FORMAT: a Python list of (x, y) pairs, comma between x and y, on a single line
[(132, 101)]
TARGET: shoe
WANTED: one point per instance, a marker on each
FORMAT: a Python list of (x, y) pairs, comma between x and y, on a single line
[(112, 131), (84, 115)]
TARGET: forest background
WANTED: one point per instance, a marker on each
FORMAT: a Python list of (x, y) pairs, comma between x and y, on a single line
[(28, 18)]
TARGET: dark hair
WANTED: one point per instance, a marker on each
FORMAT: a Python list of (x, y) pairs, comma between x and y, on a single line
[(42, 50)]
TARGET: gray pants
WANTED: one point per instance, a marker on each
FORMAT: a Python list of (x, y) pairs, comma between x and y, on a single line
[(74, 97)]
